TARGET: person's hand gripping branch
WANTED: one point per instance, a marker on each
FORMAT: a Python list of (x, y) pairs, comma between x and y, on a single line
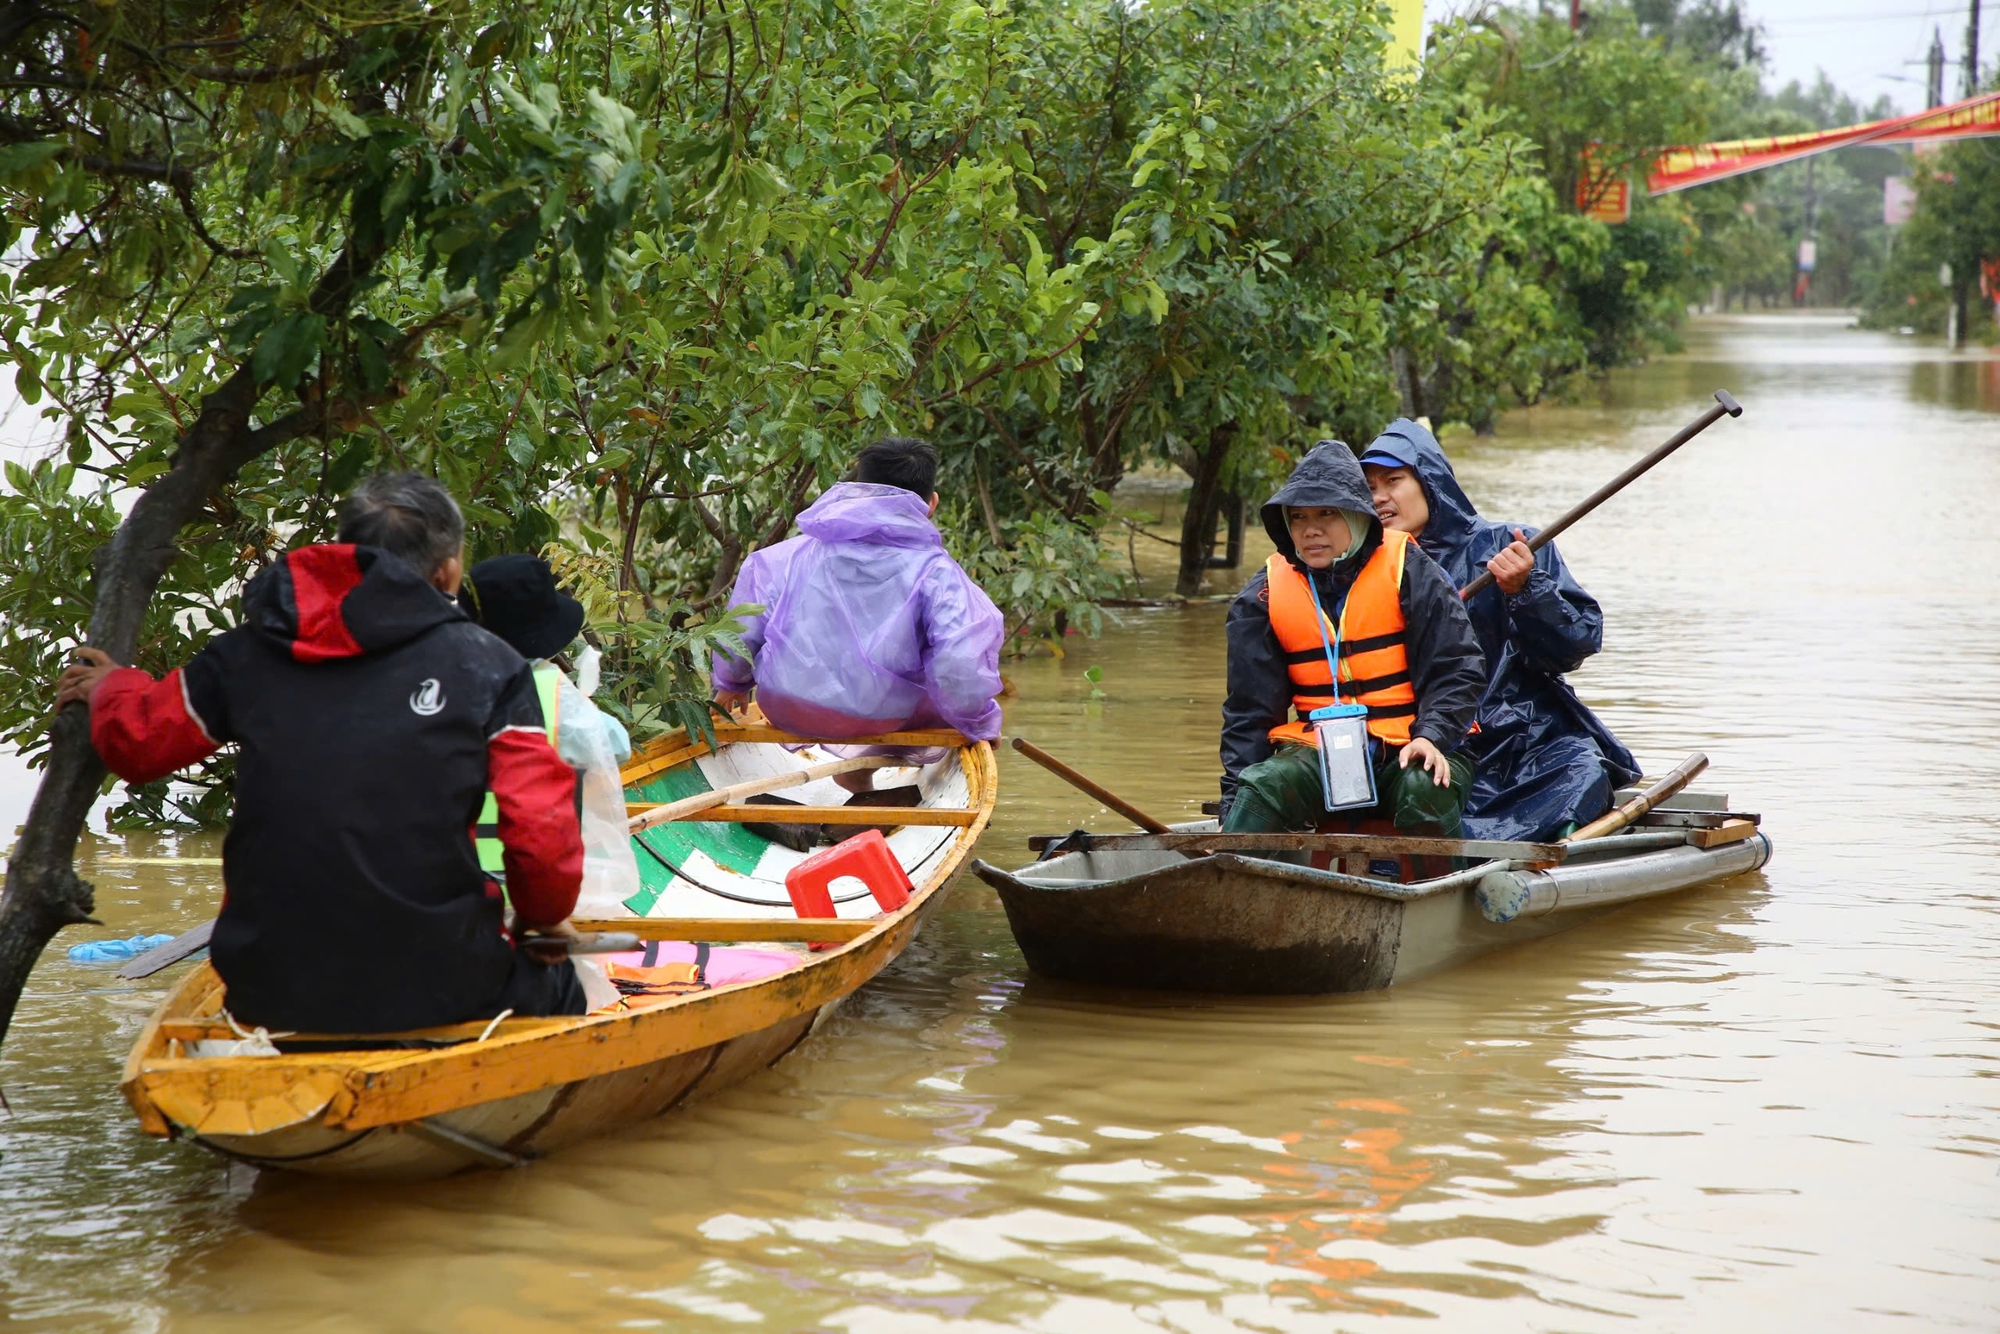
[(80, 678), (1425, 752), (1512, 564)]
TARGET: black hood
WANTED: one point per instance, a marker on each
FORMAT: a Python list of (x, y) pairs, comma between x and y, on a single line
[(338, 601), (1328, 476)]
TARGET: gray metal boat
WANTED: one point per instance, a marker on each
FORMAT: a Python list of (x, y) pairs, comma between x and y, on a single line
[(1195, 910)]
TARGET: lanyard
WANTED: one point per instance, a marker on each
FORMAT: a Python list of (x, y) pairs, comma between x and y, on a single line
[(1333, 649)]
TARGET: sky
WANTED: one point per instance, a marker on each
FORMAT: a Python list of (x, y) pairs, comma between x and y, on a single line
[(1870, 47)]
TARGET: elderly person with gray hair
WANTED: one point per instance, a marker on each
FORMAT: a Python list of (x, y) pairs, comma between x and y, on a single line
[(370, 718)]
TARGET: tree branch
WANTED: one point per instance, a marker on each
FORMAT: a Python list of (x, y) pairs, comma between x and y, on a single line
[(167, 173), (183, 187), (43, 892), (272, 74)]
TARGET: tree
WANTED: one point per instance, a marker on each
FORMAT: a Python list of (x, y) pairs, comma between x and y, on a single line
[(1537, 293), (1285, 181), (1957, 222), (590, 281), (236, 180), (636, 280)]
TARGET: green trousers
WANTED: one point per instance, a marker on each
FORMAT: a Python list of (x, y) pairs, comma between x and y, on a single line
[(1284, 793)]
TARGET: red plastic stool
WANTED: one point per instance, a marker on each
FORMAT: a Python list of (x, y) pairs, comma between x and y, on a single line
[(866, 857)]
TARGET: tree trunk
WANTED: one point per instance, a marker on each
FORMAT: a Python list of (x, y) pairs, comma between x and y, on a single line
[(1231, 512), (1198, 523), (986, 505), (43, 892), (1415, 392)]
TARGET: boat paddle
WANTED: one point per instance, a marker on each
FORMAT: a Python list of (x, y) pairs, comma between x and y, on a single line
[(1084, 785), (1614, 820), (1725, 406), (167, 955)]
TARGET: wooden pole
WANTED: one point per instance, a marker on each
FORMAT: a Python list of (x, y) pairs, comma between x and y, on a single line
[(1610, 823), (701, 801), (1724, 406), (1084, 785)]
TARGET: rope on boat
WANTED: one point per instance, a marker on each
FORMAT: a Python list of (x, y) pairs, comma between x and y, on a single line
[(495, 1024), (261, 1039)]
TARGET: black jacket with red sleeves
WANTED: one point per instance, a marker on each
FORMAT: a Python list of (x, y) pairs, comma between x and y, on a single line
[(370, 717)]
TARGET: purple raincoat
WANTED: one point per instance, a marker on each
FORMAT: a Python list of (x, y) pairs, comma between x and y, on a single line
[(868, 625)]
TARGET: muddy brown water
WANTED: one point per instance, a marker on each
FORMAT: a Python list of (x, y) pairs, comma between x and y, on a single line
[(1769, 1105)]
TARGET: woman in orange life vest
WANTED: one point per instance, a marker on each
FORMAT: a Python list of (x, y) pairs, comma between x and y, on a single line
[(1407, 652)]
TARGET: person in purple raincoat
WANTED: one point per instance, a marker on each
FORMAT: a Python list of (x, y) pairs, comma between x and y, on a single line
[(868, 625)]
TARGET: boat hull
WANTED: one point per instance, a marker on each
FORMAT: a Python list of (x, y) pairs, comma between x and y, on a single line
[(1250, 926), (523, 1127)]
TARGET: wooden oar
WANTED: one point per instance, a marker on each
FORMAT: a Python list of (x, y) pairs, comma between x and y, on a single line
[(587, 942), (722, 796), (1084, 785), (1613, 821), (1724, 406), (167, 955)]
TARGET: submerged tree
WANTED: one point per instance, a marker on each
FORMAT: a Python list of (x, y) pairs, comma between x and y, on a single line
[(676, 261), (239, 225), (1289, 180)]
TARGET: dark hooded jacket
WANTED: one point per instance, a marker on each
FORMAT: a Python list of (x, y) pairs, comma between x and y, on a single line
[(370, 716), (1445, 666), (1544, 758)]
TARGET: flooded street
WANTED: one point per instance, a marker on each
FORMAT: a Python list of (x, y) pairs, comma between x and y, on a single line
[(1768, 1105)]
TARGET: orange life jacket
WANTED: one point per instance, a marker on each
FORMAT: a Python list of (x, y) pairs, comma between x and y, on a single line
[(1374, 664)]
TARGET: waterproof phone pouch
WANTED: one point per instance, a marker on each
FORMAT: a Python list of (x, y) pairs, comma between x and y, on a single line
[(1345, 772)]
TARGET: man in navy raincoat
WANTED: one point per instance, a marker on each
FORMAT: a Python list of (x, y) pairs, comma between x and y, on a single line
[(1545, 762)]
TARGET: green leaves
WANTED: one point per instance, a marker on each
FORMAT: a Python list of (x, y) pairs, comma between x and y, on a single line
[(287, 347), (642, 282), (22, 157)]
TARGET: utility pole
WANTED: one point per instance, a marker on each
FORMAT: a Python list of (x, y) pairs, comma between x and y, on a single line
[(1934, 86), (1576, 14), (1808, 244), (1972, 49)]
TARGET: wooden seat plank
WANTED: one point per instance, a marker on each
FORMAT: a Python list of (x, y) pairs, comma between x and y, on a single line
[(787, 814)]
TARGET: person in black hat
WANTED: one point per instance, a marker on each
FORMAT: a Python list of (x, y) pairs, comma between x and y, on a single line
[(516, 597)]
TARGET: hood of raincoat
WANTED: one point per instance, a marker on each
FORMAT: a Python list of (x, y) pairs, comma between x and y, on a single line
[(334, 600), (1449, 538), (1327, 477), (864, 512)]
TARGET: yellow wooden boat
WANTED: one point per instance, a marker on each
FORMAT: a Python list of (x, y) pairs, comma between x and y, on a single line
[(442, 1100)]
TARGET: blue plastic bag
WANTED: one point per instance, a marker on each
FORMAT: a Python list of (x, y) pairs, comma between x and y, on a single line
[(115, 951)]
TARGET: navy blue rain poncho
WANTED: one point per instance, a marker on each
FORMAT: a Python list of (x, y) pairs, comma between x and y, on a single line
[(1544, 758)]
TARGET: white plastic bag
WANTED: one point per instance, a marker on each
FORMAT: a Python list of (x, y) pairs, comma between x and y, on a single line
[(587, 740)]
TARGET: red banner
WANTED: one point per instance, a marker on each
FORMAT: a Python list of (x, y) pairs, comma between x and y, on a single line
[(1600, 195), (1679, 168)]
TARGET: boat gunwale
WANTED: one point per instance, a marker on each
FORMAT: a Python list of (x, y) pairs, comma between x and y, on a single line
[(572, 1048), (1311, 877)]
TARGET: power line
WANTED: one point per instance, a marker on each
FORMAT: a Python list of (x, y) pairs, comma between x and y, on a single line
[(1857, 18)]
